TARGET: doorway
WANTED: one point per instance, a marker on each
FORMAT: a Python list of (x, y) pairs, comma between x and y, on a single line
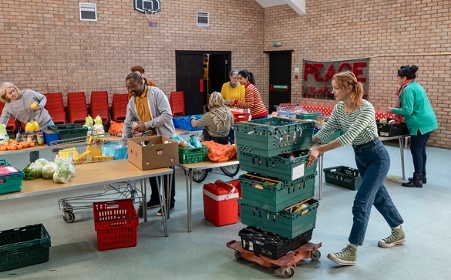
[(197, 84), (279, 78)]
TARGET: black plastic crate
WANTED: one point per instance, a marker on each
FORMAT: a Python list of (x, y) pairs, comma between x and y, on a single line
[(24, 246), (69, 130), (389, 130), (343, 176), (270, 244)]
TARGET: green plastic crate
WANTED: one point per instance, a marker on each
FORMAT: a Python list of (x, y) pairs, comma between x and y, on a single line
[(274, 195), (69, 130), (193, 155), (343, 176), (279, 167), (10, 178), (308, 116), (24, 246), (273, 136), (284, 223)]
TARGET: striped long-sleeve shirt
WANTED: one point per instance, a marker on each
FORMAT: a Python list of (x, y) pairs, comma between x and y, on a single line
[(252, 101), (359, 127)]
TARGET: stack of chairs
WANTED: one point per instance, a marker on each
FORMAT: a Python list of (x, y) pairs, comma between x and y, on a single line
[(11, 126), (119, 107), (55, 107), (77, 109), (99, 105), (177, 102)]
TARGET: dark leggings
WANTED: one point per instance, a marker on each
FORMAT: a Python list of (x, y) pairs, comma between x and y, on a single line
[(220, 140), (418, 150)]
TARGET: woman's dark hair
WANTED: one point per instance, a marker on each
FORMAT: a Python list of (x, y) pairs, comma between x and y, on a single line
[(247, 74), (408, 71)]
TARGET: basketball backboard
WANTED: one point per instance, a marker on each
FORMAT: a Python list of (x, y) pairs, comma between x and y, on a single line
[(143, 5)]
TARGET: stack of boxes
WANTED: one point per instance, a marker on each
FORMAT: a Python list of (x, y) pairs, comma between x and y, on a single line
[(277, 201)]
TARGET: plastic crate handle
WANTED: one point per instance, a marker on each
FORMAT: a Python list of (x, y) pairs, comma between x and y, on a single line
[(232, 191)]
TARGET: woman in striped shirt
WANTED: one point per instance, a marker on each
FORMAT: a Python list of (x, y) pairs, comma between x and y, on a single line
[(355, 116), (252, 98)]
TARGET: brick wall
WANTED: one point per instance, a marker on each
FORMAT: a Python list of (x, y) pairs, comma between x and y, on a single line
[(47, 47), (391, 33)]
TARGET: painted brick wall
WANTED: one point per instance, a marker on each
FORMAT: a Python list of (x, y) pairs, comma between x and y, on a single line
[(47, 47), (391, 33)]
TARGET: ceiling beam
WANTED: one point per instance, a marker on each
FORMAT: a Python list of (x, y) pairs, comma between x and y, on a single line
[(297, 5)]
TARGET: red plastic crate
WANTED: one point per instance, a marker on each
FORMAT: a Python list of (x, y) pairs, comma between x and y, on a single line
[(116, 223), (239, 117)]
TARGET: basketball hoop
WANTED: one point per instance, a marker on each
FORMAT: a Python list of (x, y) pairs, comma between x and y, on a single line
[(152, 17)]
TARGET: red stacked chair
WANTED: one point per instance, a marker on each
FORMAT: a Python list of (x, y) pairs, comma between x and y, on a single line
[(77, 109), (55, 107), (99, 105), (119, 107), (177, 102), (11, 126)]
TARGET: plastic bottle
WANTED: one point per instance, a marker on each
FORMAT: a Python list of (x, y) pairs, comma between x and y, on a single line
[(35, 125), (98, 119), (29, 127), (6, 139), (195, 142), (88, 121)]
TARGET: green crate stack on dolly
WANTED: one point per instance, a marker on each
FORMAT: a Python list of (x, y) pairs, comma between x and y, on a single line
[(277, 192)]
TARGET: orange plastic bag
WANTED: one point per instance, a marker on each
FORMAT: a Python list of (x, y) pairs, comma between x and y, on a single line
[(219, 152), (115, 128)]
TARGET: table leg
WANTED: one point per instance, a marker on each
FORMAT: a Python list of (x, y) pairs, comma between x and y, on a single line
[(320, 177), (168, 193), (162, 196), (190, 200), (187, 177), (142, 182), (401, 148)]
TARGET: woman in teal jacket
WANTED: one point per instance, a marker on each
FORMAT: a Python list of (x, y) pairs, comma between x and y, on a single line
[(420, 120)]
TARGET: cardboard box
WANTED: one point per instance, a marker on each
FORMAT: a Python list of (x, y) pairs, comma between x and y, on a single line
[(152, 152)]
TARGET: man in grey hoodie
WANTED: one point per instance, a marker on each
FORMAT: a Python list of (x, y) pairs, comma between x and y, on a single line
[(150, 111)]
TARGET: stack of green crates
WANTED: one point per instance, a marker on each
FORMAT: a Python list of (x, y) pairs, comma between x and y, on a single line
[(277, 193)]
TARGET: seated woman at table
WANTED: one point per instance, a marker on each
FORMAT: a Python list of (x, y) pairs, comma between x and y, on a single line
[(217, 121), (26, 105)]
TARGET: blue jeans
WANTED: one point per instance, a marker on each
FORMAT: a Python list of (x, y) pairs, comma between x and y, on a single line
[(418, 151), (373, 162)]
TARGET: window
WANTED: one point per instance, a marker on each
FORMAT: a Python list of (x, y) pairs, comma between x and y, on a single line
[(88, 11), (203, 19)]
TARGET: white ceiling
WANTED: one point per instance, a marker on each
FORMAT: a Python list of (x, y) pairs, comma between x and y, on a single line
[(297, 5), (271, 3)]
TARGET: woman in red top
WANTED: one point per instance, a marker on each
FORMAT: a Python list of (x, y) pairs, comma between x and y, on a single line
[(252, 98)]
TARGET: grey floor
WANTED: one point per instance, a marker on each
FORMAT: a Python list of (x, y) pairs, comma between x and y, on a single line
[(202, 254)]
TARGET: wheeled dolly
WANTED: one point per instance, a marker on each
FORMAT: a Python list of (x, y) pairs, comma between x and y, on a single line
[(287, 263)]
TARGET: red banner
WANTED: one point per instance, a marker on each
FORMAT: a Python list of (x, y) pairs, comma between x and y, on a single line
[(318, 75)]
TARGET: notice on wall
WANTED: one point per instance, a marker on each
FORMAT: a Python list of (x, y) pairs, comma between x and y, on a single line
[(317, 78)]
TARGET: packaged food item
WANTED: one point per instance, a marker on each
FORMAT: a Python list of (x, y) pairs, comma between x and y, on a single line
[(35, 125), (182, 143), (195, 142), (29, 127)]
